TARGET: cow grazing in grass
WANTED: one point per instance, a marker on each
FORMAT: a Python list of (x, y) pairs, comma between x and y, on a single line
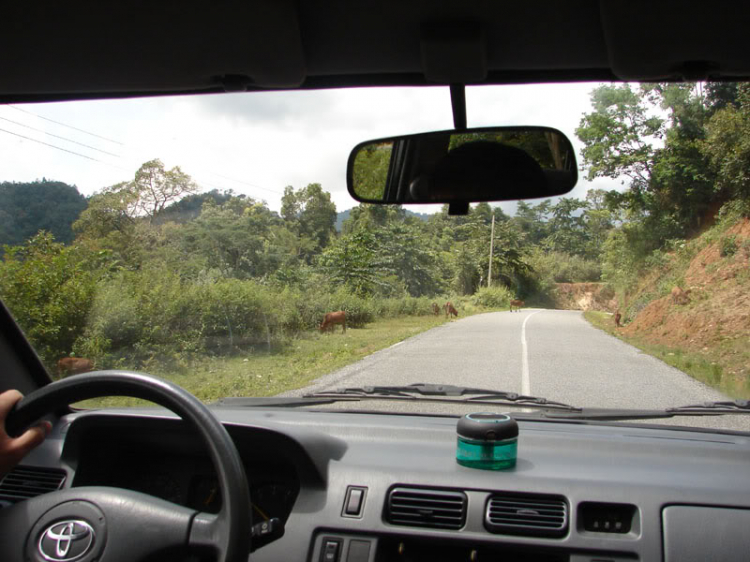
[(450, 310), (680, 296), (74, 365), (333, 318), (518, 304), (618, 317), (435, 309)]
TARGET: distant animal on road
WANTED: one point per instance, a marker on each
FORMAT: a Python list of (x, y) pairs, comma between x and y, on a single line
[(435, 309), (450, 310), (518, 304), (333, 318), (680, 296), (618, 317), (74, 366)]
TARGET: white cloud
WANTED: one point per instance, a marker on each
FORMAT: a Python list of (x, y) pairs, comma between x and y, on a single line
[(258, 143)]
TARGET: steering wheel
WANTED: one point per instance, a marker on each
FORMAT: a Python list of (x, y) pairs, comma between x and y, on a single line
[(104, 524)]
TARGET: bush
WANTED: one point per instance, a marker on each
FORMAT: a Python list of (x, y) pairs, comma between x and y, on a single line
[(493, 297), (728, 246), (49, 289), (559, 267)]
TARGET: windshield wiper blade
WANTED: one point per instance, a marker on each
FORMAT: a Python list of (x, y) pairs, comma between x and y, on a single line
[(713, 408), (613, 414), (442, 393)]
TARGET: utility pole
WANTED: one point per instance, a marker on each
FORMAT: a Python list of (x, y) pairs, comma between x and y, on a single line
[(492, 244)]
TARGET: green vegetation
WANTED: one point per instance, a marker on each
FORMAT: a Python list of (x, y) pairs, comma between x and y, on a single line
[(27, 208), (267, 374)]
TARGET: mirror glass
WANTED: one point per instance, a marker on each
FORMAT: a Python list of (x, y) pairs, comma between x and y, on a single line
[(489, 164)]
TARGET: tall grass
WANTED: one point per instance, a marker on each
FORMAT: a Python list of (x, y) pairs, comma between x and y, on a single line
[(138, 316)]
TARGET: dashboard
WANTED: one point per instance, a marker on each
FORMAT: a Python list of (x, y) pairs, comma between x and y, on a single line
[(355, 487), (171, 466)]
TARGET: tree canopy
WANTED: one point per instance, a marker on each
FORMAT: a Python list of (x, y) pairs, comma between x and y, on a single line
[(27, 208)]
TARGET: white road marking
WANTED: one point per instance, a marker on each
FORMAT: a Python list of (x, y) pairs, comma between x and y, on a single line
[(525, 383)]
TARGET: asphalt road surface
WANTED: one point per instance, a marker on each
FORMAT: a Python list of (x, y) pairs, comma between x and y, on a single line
[(549, 353)]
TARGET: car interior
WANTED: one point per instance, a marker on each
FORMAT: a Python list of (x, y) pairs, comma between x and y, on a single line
[(188, 481)]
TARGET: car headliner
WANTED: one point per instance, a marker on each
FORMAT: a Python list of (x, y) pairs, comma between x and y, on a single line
[(84, 49)]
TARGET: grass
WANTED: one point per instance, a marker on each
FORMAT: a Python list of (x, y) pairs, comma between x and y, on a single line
[(705, 367), (299, 363)]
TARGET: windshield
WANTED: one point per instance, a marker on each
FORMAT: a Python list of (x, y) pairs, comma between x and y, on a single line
[(211, 240)]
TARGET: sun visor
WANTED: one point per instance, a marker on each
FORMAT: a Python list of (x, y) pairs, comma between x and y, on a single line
[(454, 53), (141, 46), (672, 39)]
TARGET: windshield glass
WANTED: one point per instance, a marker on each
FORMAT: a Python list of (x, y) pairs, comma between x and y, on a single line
[(211, 240)]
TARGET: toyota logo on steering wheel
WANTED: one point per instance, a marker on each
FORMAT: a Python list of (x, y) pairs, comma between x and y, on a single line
[(66, 541)]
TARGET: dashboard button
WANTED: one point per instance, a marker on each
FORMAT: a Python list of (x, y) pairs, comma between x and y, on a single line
[(354, 505), (330, 551), (354, 502), (359, 551)]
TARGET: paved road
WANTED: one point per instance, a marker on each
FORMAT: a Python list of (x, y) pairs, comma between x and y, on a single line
[(551, 353)]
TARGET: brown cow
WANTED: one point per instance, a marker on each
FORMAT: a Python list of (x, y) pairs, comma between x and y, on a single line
[(618, 317), (333, 318), (435, 309), (74, 366), (517, 303), (450, 310), (679, 296)]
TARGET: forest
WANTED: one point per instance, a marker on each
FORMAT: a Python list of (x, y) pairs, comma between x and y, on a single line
[(155, 269)]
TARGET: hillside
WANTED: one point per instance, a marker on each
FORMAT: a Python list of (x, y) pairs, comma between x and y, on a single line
[(584, 296), (713, 320)]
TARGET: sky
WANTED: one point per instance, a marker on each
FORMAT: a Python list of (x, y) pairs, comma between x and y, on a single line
[(258, 143)]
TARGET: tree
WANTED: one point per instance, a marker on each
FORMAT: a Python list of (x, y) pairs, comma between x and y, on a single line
[(410, 256), (598, 219), (190, 206), (116, 208), (49, 288), (27, 208), (567, 231), (727, 146), (366, 216), (532, 220), (619, 134), (156, 187), (234, 238), (352, 261), (310, 214), (670, 186)]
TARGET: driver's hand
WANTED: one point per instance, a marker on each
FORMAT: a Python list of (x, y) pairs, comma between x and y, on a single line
[(13, 450)]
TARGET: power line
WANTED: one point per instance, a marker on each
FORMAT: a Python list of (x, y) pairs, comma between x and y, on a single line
[(59, 137), (255, 186), (63, 149), (248, 184), (64, 125)]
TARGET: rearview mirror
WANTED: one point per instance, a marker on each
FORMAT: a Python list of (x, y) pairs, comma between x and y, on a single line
[(489, 164)]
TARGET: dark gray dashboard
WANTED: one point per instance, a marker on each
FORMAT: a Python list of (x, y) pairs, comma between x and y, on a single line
[(658, 476)]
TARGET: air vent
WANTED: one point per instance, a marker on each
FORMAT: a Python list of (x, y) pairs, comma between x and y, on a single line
[(416, 507), (27, 482), (516, 514)]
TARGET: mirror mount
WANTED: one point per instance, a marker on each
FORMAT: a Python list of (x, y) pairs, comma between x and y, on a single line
[(458, 104), (458, 209)]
